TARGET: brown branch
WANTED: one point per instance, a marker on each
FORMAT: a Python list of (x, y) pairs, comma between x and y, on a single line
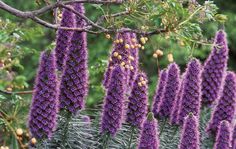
[(33, 15), (18, 93)]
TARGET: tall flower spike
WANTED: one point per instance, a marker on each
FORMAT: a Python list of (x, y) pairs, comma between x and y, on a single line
[(223, 136), (175, 111), (214, 69), (44, 107), (159, 91), (63, 38), (190, 133), (113, 102), (170, 91), (234, 138), (119, 56), (149, 135), (133, 58), (225, 108), (74, 82), (191, 97), (137, 106)]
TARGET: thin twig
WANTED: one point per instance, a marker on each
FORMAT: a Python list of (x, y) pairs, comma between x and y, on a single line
[(19, 93)]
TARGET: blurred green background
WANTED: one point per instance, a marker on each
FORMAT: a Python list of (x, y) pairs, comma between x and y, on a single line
[(22, 41)]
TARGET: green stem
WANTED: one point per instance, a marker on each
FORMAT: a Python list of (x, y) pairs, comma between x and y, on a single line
[(66, 126), (105, 141), (190, 17), (131, 137)]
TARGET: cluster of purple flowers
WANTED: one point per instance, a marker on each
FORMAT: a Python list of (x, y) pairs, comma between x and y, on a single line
[(177, 98)]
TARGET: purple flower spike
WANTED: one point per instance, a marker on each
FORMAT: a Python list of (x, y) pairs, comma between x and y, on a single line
[(170, 91), (159, 91), (137, 107), (74, 82), (225, 108), (119, 56), (149, 135), (113, 102), (191, 97), (234, 138), (190, 133), (134, 58), (214, 69), (175, 111), (63, 38), (223, 136), (44, 107)]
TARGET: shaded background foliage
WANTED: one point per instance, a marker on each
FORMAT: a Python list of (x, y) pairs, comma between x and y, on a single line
[(22, 41)]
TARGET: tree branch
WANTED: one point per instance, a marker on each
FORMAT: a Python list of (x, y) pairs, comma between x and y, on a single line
[(33, 15), (19, 93)]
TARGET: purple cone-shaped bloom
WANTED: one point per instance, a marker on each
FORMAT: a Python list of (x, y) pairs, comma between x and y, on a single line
[(113, 102), (190, 133), (225, 108), (234, 138), (74, 82), (149, 135), (44, 107), (191, 97), (175, 111), (223, 140), (137, 107), (159, 91), (63, 37), (134, 59), (119, 56), (214, 69), (170, 91)]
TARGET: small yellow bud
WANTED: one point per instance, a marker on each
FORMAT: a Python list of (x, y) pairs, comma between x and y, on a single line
[(139, 45), (115, 54), (170, 57), (131, 68), (141, 78), (142, 47), (19, 131), (117, 41), (167, 37), (9, 89), (110, 59), (33, 141), (131, 57), (121, 40), (9, 53), (6, 147), (142, 39), (133, 40), (127, 66), (159, 52), (144, 82), (132, 46), (122, 63), (127, 46), (108, 36), (155, 55), (181, 43), (2, 147), (119, 57), (146, 38), (142, 27), (140, 84)]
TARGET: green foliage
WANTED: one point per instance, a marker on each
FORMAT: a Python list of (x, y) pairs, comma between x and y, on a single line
[(73, 133), (191, 28)]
